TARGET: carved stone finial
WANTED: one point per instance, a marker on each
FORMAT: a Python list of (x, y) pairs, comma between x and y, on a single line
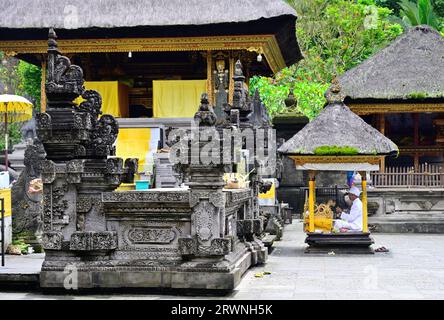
[(240, 94), (64, 80), (290, 101), (334, 94), (52, 40), (238, 73), (205, 116)]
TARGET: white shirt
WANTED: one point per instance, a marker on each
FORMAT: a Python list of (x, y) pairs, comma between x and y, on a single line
[(354, 218)]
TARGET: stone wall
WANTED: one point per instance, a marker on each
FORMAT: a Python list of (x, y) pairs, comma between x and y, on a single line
[(406, 210)]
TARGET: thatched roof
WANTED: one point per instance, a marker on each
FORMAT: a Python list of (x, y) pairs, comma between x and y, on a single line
[(338, 128), (411, 67), (102, 19), (129, 13)]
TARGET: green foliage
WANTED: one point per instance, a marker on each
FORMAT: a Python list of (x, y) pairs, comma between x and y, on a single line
[(15, 135), (334, 36), (30, 77), (438, 5), (335, 150), (391, 4), (21, 243), (21, 78), (8, 75), (417, 13), (417, 95)]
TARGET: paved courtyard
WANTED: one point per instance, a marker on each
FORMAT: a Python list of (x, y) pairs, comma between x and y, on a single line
[(413, 269)]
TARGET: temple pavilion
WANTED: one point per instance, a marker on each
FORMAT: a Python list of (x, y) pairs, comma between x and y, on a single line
[(400, 91), (337, 140), (151, 60)]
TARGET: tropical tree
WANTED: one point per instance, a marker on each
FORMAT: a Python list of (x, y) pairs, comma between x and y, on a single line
[(30, 77), (22, 78), (334, 36)]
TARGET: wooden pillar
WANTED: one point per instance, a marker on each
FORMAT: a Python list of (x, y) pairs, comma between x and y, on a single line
[(231, 83), (416, 139), (42, 86), (311, 200), (382, 130), (416, 161), (364, 202), (210, 76), (416, 129)]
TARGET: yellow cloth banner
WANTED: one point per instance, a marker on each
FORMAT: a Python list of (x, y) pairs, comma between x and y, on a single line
[(114, 97), (6, 194), (177, 98), (133, 143)]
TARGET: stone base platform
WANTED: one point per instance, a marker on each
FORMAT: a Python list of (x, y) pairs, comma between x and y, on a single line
[(198, 274), (133, 278), (339, 243)]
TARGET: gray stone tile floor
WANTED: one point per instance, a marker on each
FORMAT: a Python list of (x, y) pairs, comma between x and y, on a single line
[(413, 269)]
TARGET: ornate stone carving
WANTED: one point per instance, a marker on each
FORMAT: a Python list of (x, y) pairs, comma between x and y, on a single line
[(92, 103), (64, 80), (205, 116), (106, 240), (74, 170), (259, 118), (334, 93), (104, 136), (130, 169), (187, 246), (44, 121), (34, 155), (203, 220), (91, 240), (84, 203), (171, 196), (144, 235), (52, 240), (48, 171), (219, 247)]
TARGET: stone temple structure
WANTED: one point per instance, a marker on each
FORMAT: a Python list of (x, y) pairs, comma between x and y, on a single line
[(201, 236)]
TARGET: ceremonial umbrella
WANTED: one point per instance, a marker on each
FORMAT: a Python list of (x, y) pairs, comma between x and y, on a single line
[(13, 109)]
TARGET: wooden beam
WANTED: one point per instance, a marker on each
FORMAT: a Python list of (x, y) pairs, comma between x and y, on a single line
[(416, 129), (387, 108), (381, 117), (265, 43)]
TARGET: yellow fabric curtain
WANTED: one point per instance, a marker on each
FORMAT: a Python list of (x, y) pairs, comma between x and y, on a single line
[(134, 143), (6, 194), (177, 98), (114, 97)]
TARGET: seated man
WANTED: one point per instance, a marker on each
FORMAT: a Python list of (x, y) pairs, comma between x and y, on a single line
[(353, 220)]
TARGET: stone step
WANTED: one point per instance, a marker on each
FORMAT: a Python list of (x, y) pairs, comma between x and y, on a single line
[(425, 222), (28, 281)]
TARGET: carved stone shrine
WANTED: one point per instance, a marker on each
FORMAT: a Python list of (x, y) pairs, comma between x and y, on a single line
[(201, 236)]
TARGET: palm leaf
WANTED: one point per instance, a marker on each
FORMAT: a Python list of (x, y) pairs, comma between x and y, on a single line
[(410, 11)]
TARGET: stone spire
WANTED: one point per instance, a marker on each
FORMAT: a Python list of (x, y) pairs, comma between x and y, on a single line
[(334, 94)]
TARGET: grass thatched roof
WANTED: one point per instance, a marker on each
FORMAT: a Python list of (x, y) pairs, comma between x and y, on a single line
[(411, 67), (129, 13), (338, 131)]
